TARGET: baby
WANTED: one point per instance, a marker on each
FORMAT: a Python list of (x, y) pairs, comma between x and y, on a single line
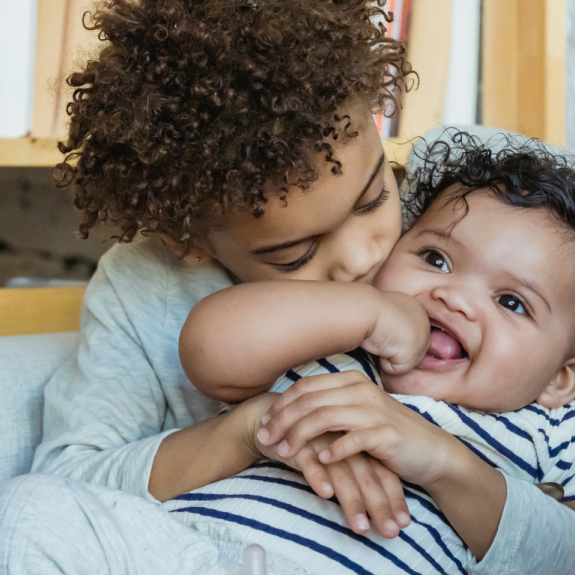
[(489, 259)]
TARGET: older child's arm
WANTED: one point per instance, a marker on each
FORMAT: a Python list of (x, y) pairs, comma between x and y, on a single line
[(218, 447), (225, 445), (237, 342)]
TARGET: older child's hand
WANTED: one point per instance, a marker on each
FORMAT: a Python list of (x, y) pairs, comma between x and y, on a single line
[(375, 422), (360, 483), (401, 332)]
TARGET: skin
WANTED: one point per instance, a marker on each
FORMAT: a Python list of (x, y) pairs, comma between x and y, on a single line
[(310, 320), (342, 229)]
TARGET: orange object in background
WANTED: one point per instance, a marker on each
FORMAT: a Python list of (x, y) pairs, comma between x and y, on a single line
[(40, 310)]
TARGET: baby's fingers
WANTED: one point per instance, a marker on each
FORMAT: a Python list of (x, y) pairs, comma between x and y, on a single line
[(313, 384), (323, 419), (375, 441), (393, 488), (374, 495), (314, 472), (349, 496)]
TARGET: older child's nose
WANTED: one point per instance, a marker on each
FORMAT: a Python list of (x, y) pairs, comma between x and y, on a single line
[(356, 261), (457, 299)]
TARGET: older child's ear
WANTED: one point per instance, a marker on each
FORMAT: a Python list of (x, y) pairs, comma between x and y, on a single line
[(198, 257), (561, 389)]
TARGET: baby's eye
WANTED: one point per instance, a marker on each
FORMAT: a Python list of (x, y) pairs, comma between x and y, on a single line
[(512, 303), (436, 260)]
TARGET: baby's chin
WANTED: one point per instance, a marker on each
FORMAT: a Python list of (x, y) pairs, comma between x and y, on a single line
[(411, 383), (420, 383)]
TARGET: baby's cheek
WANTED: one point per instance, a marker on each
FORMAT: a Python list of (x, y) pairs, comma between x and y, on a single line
[(393, 276)]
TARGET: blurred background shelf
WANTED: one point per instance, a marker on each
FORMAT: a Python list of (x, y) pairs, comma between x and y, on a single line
[(31, 152)]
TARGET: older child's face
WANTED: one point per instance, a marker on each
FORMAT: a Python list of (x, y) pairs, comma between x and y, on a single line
[(498, 288), (342, 229)]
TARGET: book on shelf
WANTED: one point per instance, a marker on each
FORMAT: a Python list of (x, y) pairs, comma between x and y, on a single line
[(398, 29)]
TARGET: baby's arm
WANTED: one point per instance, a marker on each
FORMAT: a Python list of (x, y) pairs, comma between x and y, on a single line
[(237, 342)]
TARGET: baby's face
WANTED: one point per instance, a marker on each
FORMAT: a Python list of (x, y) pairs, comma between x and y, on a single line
[(499, 290)]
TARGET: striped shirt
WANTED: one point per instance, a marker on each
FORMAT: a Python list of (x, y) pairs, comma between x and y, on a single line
[(272, 505)]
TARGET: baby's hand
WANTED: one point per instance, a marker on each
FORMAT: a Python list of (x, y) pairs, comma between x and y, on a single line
[(360, 483), (401, 333), (374, 422)]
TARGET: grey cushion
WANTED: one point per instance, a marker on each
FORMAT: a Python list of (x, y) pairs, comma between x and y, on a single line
[(27, 362)]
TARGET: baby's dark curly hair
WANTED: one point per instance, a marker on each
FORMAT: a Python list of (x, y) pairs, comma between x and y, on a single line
[(194, 105), (522, 173)]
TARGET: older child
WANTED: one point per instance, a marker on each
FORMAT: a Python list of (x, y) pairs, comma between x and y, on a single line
[(242, 133), (477, 258)]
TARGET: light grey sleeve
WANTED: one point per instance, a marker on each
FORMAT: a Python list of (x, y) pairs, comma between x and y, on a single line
[(536, 535), (108, 409), (105, 408)]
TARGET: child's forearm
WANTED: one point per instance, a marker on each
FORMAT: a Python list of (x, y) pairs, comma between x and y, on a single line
[(472, 497), (208, 451), (237, 342)]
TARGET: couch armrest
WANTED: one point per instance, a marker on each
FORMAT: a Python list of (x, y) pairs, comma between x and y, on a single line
[(27, 363)]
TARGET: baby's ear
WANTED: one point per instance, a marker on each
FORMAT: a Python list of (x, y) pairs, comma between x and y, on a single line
[(561, 389)]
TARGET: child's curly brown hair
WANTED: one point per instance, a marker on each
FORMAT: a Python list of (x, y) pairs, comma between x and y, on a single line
[(193, 105)]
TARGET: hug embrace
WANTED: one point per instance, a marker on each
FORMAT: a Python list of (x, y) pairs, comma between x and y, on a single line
[(239, 139)]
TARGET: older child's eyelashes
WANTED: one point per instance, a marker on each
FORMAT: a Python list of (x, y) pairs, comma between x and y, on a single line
[(512, 303), (300, 262), (372, 206), (435, 259)]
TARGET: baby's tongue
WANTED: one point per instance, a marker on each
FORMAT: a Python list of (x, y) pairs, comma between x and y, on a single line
[(443, 346)]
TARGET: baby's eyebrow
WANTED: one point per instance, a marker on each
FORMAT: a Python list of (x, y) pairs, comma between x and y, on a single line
[(291, 243), (442, 234)]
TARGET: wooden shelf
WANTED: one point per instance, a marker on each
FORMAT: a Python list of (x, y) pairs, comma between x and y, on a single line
[(40, 310), (34, 152), (31, 152)]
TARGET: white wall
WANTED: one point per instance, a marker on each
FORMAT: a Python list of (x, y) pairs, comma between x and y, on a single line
[(461, 94), (18, 20)]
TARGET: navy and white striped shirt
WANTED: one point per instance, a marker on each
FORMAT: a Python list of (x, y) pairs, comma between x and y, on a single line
[(272, 505)]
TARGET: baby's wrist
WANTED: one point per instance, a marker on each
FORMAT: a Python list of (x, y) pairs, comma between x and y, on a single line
[(453, 469)]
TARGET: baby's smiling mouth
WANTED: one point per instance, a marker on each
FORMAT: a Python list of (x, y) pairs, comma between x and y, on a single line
[(445, 349), (444, 346)]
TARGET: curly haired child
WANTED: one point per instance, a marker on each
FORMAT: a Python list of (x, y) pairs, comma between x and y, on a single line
[(238, 137), (242, 135)]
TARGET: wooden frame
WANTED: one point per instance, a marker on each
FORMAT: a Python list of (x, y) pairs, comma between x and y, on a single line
[(524, 47), (40, 310)]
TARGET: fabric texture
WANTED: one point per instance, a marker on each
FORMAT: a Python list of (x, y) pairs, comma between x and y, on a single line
[(108, 408), (27, 363), (53, 525)]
